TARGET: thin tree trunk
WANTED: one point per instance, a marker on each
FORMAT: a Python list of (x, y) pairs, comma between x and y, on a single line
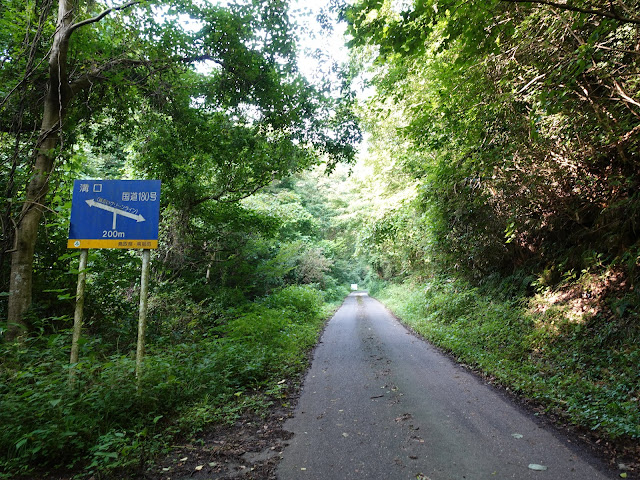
[(21, 280), (58, 96)]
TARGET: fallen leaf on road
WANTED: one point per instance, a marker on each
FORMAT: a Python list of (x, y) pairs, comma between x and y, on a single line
[(535, 466), (403, 417), (517, 435), (345, 435), (199, 467)]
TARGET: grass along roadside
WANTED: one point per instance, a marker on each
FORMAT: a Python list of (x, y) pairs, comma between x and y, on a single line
[(583, 369), (105, 425)]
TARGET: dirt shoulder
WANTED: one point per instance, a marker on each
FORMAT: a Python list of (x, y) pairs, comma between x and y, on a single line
[(249, 449)]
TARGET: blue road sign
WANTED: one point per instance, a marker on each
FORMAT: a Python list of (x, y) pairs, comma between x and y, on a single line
[(115, 214)]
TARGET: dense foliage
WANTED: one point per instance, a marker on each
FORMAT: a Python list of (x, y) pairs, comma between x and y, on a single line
[(504, 137), (521, 126), (209, 100), (496, 208), (225, 326), (206, 98), (109, 421)]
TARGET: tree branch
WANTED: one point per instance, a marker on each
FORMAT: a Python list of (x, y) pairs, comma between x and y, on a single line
[(617, 50), (564, 6), (218, 197), (87, 79), (631, 134), (624, 95), (100, 16)]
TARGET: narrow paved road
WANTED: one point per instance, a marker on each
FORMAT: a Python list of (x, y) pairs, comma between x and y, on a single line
[(379, 403)]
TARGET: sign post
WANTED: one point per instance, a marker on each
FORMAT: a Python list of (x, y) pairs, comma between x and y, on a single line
[(142, 315), (77, 315), (114, 214)]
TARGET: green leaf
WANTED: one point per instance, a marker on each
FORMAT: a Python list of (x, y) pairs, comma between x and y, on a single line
[(21, 443), (106, 454)]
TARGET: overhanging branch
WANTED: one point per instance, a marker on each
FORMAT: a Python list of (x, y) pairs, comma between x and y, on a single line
[(591, 11), (101, 15), (96, 73), (159, 64)]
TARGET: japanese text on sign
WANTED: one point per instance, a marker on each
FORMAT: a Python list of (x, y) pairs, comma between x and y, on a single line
[(115, 214)]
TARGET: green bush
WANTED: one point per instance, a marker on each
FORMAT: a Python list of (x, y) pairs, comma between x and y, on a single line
[(303, 299), (334, 291), (108, 421), (374, 284)]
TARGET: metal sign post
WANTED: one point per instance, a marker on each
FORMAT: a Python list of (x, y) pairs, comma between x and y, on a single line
[(114, 214), (77, 315), (142, 315)]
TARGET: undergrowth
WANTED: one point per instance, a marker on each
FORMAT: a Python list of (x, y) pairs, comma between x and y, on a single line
[(581, 367), (108, 422)]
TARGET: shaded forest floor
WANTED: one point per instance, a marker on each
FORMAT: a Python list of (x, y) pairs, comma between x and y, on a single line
[(250, 448), (247, 449)]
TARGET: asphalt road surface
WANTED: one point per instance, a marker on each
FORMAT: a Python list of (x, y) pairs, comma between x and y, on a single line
[(379, 403)]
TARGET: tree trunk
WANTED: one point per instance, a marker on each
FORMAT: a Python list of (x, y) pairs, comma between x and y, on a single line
[(57, 98)]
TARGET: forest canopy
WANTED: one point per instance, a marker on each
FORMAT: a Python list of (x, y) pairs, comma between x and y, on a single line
[(520, 121)]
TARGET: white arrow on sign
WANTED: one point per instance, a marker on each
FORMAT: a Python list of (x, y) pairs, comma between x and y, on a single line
[(115, 211)]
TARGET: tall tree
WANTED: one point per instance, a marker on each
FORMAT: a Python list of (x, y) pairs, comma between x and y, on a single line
[(60, 90), (128, 57)]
